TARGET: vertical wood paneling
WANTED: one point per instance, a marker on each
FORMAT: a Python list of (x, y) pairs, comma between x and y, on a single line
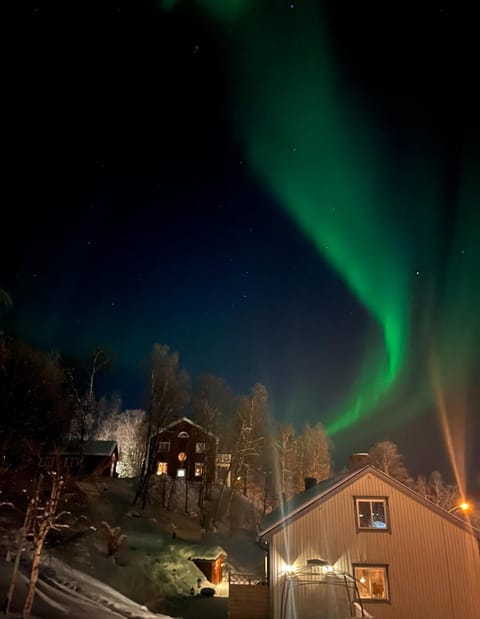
[(433, 565), (248, 601)]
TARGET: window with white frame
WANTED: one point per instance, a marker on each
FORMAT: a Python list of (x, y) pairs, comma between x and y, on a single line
[(164, 446), (371, 513), (372, 581), (199, 448)]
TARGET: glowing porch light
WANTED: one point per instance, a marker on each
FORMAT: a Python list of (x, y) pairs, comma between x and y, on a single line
[(287, 569), (464, 506)]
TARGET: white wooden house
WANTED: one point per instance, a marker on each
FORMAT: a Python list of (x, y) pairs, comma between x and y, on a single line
[(366, 543)]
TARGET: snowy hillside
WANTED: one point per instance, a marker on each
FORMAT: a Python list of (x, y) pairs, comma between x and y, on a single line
[(154, 565)]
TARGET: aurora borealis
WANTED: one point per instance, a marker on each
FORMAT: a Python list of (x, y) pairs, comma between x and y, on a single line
[(320, 152), (284, 192), (317, 154)]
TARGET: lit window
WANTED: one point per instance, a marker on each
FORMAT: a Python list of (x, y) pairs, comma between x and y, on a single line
[(371, 513), (199, 448), (162, 468), (183, 434), (198, 469), (180, 472), (164, 446), (372, 581)]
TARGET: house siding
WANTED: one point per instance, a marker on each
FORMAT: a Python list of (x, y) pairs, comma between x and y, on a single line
[(187, 445), (433, 564)]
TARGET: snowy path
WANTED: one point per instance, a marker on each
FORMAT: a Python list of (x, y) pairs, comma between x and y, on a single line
[(74, 595)]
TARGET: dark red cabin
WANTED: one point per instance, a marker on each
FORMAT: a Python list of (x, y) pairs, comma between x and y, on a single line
[(186, 450)]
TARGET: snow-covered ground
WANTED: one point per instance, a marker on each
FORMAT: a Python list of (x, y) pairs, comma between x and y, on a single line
[(154, 573), (73, 594)]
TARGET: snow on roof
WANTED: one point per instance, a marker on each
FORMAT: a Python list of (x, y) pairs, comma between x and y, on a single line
[(207, 553), (187, 420)]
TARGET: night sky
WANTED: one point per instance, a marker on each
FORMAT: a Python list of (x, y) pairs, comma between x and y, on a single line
[(283, 192)]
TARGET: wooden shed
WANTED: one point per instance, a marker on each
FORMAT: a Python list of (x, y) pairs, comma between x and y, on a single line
[(210, 561), (92, 458)]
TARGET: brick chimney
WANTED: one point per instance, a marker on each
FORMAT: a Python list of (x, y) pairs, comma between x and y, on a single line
[(358, 461)]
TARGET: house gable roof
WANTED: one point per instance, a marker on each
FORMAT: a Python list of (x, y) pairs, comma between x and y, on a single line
[(324, 490), (185, 420)]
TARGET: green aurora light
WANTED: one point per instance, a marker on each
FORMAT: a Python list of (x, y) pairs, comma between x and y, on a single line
[(310, 141), (322, 165)]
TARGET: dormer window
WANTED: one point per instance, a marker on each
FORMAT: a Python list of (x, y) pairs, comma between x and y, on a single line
[(371, 513)]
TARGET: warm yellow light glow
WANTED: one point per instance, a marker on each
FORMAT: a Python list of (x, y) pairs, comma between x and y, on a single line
[(464, 506), (363, 580), (287, 570)]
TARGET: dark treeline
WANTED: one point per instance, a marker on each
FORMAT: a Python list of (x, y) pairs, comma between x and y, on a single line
[(46, 398)]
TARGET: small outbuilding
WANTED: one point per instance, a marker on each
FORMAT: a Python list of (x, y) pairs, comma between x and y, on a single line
[(211, 564), (92, 458)]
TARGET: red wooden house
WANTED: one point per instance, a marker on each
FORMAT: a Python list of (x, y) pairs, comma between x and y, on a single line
[(184, 449)]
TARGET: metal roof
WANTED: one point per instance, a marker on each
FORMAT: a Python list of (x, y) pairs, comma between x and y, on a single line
[(323, 490), (90, 448)]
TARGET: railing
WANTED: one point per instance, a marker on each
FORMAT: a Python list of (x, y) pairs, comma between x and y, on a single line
[(244, 578)]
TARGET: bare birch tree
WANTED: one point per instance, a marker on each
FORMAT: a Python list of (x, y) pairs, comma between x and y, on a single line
[(212, 401), (43, 517), (128, 429), (386, 456), (82, 388), (436, 490), (312, 455), (169, 393)]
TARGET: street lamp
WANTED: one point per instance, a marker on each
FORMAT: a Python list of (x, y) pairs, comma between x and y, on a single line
[(464, 506)]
